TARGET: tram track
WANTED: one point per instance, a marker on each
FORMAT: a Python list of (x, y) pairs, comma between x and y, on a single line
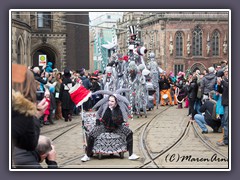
[(205, 142), (150, 158)]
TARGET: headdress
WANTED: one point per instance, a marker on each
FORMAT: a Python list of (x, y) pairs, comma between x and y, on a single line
[(121, 101)]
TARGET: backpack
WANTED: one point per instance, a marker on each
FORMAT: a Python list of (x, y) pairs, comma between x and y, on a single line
[(213, 114)]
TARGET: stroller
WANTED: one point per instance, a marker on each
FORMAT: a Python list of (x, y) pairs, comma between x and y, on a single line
[(151, 91), (107, 143)]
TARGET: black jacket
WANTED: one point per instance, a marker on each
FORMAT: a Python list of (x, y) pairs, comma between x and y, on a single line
[(207, 108), (164, 83), (223, 89), (39, 78), (64, 95), (23, 159), (192, 89), (25, 126)]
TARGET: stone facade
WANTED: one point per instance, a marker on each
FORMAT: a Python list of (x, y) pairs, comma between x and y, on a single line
[(21, 38), (159, 30), (64, 40)]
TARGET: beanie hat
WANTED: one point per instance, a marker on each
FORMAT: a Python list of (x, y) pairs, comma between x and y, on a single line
[(67, 73)]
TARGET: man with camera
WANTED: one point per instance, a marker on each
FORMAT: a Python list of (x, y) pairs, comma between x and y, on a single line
[(45, 150), (223, 88)]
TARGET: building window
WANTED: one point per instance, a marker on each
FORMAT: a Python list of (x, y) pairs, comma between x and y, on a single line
[(19, 52), (197, 42), (179, 44), (44, 20), (215, 43), (178, 68)]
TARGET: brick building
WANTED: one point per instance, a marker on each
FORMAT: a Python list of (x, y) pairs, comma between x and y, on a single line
[(180, 40), (58, 35)]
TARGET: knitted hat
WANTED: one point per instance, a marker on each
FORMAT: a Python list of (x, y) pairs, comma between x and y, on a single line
[(67, 73)]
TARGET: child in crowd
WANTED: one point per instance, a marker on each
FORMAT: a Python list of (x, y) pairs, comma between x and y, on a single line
[(47, 111)]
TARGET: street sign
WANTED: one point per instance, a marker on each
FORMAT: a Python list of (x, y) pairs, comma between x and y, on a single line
[(42, 60)]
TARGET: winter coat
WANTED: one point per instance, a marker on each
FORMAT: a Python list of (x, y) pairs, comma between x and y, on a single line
[(64, 95), (86, 82), (49, 67), (223, 89), (164, 83), (39, 79), (25, 125), (208, 83), (192, 89), (23, 159), (219, 106), (207, 108)]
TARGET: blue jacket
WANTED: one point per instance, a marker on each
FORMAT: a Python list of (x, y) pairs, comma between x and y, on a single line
[(49, 67), (219, 106)]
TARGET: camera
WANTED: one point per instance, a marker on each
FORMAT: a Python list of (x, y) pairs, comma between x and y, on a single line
[(40, 95)]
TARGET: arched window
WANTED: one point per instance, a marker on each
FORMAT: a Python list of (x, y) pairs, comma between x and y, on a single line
[(197, 41), (179, 44), (215, 43), (19, 53)]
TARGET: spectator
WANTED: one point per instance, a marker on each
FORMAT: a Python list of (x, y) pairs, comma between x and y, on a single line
[(208, 83), (207, 118), (223, 89), (192, 89), (49, 67), (25, 110), (37, 76), (66, 101), (58, 113), (87, 84), (31, 159)]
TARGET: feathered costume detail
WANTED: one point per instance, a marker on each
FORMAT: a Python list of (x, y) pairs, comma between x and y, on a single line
[(121, 101)]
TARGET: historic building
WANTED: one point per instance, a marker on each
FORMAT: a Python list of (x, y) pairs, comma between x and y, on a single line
[(180, 40), (103, 38), (62, 36)]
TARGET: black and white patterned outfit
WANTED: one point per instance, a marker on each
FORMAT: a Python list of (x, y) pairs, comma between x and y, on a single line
[(111, 121)]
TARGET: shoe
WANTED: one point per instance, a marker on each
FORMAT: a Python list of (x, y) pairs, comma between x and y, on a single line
[(85, 158), (215, 130), (69, 117), (204, 132), (133, 157), (221, 143), (46, 123)]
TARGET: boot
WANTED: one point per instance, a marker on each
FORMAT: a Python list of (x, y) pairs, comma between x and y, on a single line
[(220, 140)]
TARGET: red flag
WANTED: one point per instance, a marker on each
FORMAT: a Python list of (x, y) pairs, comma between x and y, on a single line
[(79, 94)]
